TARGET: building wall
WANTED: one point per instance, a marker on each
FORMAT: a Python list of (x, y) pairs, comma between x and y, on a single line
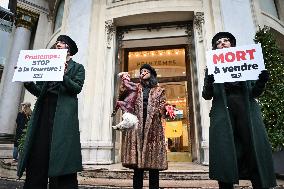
[(93, 24)]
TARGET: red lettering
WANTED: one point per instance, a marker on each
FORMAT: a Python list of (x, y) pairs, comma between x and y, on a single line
[(241, 55), (230, 57), (27, 57), (233, 56), (217, 58), (251, 56)]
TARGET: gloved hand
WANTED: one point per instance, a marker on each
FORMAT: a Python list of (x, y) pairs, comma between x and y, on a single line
[(263, 76), (210, 80), (27, 83)]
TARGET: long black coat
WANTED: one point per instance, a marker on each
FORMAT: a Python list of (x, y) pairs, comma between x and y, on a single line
[(65, 148), (223, 151), (21, 122)]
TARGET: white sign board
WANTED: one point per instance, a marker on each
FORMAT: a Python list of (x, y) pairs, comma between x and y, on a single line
[(236, 63), (40, 65)]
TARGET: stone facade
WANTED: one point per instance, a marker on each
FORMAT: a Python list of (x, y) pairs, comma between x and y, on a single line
[(102, 28)]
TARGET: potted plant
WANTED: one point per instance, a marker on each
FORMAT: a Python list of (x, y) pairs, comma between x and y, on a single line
[(272, 100)]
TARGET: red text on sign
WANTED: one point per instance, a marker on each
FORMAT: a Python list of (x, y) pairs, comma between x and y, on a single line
[(46, 56), (233, 56)]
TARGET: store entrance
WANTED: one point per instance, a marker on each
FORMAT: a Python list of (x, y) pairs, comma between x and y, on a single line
[(173, 72), (177, 130)]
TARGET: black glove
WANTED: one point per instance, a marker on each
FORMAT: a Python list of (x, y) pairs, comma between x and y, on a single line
[(28, 83), (263, 76), (207, 92), (210, 80)]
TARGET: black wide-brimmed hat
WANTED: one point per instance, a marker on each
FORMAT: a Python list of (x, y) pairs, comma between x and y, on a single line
[(72, 45), (150, 68), (223, 35)]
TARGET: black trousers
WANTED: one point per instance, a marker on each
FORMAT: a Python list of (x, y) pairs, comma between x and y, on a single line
[(38, 161), (242, 136), (153, 178)]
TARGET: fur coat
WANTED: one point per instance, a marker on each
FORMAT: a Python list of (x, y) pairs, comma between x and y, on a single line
[(144, 147)]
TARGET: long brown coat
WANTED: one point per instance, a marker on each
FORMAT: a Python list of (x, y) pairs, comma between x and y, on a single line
[(145, 148)]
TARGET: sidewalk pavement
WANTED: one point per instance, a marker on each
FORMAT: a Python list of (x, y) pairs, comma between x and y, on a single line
[(8, 173)]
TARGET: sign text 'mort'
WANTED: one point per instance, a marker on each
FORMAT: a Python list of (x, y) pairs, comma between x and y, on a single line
[(234, 56)]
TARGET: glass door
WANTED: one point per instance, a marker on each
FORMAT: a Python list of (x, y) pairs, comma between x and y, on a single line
[(177, 129)]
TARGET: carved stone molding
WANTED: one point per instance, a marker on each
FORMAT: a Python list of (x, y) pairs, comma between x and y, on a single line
[(33, 5), (110, 30), (6, 26), (26, 18), (120, 37), (198, 21), (188, 31)]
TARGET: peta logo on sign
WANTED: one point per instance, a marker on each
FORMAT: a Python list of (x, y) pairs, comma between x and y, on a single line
[(235, 64)]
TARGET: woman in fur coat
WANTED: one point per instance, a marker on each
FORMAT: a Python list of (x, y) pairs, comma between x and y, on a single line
[(144, 148)]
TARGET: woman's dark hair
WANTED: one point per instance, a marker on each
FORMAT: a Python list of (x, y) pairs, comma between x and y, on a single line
[(220, 35), (151, 82)]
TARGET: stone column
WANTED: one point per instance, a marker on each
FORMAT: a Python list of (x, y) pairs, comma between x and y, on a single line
[(200, 40), (11, 94)]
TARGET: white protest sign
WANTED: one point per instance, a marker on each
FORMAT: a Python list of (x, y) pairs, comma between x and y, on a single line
[(40, 65), (236, 63)]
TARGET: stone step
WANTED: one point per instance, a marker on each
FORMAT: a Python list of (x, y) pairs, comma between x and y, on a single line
[(92, 183), (6, 150), (164, 175), (176, 171), (115, 176)]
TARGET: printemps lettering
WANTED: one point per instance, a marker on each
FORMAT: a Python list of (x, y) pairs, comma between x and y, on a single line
[(47, 56), (158, 63)]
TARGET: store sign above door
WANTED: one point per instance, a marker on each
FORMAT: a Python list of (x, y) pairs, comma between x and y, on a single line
[(235, 64), (157, 58), (171, 62)]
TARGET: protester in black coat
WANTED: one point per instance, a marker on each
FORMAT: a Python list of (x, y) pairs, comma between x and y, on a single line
[(236, 128), (21, 121)]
